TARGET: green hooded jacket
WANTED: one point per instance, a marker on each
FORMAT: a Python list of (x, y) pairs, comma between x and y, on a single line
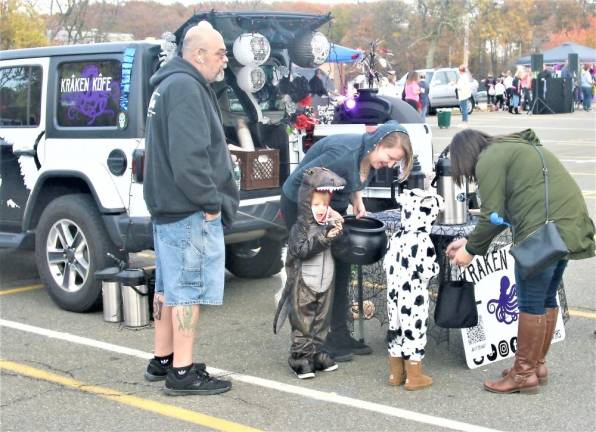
[(510, 182)]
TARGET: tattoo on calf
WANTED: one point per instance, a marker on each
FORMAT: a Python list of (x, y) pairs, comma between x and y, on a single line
[(157, 307), (184, 316)]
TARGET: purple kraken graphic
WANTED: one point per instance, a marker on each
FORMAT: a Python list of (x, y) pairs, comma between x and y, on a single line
[(505, 307), (90, 95)]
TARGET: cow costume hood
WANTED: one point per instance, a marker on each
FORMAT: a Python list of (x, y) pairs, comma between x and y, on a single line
[(419, 209)]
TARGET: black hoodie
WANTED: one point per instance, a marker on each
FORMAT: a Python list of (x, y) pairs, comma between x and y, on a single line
[(187, 164)]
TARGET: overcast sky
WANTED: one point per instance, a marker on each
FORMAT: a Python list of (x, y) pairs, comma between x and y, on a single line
[(43, 6)]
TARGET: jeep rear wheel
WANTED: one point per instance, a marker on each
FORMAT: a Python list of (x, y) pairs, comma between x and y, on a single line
[(70, 246), (253, 260)]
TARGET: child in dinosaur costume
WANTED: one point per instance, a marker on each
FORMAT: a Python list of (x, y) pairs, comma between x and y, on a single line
[(308, 292)]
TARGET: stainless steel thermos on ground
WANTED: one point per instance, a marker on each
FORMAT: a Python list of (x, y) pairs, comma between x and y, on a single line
[(125, 296), (135, 297), (111, 294)]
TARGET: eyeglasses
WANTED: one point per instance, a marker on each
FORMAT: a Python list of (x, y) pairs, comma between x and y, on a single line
[(219, 53)]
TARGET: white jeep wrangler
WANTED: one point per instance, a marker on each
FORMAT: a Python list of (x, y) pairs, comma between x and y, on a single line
[(72, 124)]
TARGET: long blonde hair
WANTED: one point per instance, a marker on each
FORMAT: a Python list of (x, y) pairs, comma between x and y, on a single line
[(403, 139)]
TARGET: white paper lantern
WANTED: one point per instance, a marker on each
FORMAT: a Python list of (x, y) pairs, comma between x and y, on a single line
[(251, 49), (251, 79), (310, 49)]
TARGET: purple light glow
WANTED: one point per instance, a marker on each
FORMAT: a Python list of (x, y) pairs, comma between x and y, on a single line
[(350, 104)]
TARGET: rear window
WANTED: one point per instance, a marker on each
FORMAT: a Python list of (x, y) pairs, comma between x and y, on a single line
[(20, 96), (89, 93)]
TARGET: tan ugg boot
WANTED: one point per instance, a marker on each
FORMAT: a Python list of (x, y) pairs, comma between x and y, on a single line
[(415, 379), (552, 314), (522, 376), (397, 373)]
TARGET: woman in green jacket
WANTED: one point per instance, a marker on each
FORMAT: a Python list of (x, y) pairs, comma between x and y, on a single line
[(508, 171)]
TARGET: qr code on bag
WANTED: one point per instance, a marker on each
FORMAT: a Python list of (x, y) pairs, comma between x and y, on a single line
[(476, 335)]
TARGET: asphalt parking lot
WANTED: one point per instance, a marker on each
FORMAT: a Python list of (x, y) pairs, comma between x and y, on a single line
[(66, 371)]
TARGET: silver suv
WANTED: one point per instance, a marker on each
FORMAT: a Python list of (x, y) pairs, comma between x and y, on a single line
[(441, 83)]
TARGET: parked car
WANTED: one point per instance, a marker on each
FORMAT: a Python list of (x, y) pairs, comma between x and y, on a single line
[(72, 122), (441, 84)]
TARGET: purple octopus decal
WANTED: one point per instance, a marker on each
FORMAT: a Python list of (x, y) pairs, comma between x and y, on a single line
[(89, 95), (505, 307)]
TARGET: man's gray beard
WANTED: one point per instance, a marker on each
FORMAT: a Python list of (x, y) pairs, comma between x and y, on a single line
[(220, 76)]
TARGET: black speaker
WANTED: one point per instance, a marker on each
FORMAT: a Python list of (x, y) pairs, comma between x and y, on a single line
[(553, 94), (537, 60), (573, 60)]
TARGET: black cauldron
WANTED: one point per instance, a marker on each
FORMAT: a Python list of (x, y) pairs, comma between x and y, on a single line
[(363, 241)]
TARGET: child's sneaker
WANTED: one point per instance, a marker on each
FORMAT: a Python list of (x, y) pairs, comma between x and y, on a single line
[(324, 362), (302, 367)]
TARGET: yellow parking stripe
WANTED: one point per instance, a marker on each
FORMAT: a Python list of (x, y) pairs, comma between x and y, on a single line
[(582, 313), (116, 396), (21, 289)]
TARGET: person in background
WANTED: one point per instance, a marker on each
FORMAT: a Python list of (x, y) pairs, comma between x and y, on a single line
[(464, 93), (489, 85), (515, 92), (424, 97), (587, 83), (412, 90), (527, 89), (508, 83), (509, 174), (566, 72), (191, 195), (499, 94), (390, 85), (354, 157)]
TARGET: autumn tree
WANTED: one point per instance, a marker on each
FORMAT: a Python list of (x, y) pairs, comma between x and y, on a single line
[(581, 35), (20, 25)]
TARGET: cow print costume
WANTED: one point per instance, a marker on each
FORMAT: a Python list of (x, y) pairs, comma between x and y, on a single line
[(410, 263)]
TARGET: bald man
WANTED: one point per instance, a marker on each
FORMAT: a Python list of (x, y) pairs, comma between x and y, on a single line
[(191, 194)]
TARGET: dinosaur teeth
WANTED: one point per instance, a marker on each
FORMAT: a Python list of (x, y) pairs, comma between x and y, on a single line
[(328, 188)]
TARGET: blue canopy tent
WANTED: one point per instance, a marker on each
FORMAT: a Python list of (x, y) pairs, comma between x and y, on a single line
[(559, 54), (342, 54)]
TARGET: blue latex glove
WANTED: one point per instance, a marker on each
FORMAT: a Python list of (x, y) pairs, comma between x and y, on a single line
[(497, 219)]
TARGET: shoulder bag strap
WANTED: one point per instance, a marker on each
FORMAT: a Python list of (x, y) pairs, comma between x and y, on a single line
[(545, 174)]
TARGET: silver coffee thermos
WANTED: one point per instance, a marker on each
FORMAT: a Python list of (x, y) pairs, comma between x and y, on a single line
[(135, 297), (456, 208)]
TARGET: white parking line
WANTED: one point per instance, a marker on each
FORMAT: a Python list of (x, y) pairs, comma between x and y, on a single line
[(274, 385), (473, 125), (579, 160)]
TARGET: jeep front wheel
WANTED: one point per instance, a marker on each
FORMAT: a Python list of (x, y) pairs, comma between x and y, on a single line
[(252, 260), (70, 246)]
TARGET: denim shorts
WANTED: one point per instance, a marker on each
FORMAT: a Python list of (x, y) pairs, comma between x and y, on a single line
[(190, 261)]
